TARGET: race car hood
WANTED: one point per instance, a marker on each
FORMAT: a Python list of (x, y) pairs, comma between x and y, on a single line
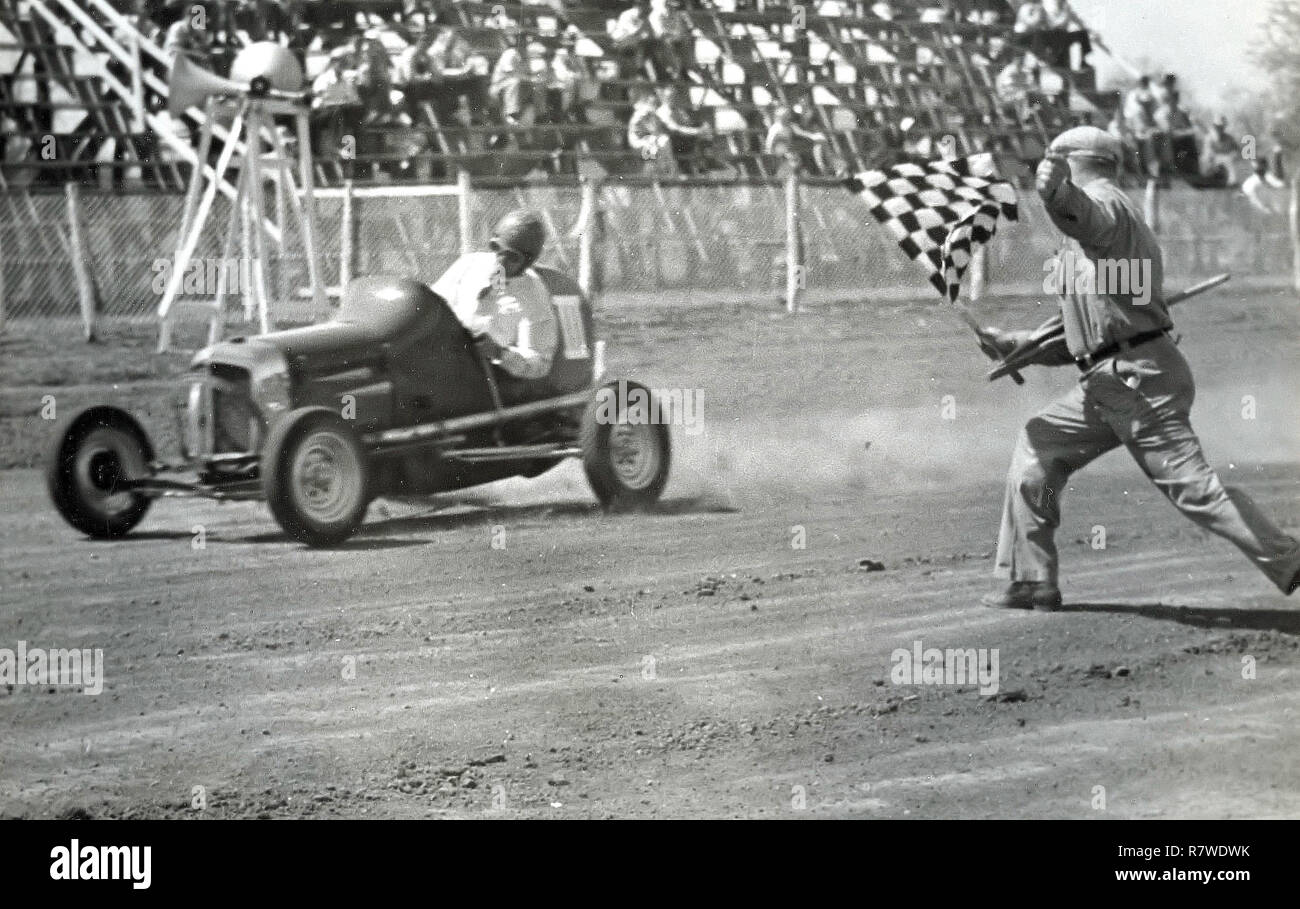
[(374, 311)]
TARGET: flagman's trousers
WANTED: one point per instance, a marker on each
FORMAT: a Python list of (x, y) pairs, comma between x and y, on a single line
[(1142, 400)]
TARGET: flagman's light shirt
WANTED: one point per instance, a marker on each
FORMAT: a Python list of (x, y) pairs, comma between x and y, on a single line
[(1138, 396), (1102, 228)]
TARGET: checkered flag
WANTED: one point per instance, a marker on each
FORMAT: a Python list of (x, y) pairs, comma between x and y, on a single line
[(939, 211)]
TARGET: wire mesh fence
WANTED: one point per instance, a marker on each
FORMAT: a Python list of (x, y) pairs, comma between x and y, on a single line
[(645, 237)]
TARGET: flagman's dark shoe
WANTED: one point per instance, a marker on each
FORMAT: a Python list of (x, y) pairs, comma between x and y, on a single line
[(1041, 595)]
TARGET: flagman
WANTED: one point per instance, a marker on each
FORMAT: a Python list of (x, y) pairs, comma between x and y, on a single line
[(1135, 389)]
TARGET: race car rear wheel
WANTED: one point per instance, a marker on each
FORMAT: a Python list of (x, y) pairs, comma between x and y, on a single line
[(626, 462), (315, 475), (94, 453)]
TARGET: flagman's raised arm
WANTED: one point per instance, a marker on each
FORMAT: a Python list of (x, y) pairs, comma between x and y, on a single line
[(1072, 210)]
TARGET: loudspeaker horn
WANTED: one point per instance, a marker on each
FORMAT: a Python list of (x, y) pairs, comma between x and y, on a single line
[(190, 85)]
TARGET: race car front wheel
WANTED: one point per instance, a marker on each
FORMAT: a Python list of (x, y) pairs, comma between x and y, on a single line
[(96, 453), (315, 475), (626, 450)]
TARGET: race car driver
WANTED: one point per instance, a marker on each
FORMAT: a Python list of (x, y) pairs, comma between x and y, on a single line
[(502, 301)]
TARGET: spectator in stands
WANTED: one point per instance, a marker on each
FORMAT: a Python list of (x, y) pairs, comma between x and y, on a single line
[(671, 48), (995, 55), (1140, 119), (539, 79), (1176, 139), (186, 38), (883, 10), (1260, 188), (300, 34), (1168, 85), (189, 37), (647, 136), (337, 110), (567, 87), (978, 12), (219, 23), (414, 63), (413, 74), (1132, 163), (450, 55), (450, 52), (507, 84), (802, 149), (1050, 28), (633, 39), (260, 20), (1017, 87), (516, 79), (1171, 116), (1140, 103), (685, 136), (1221, 151), (1058, 14), (1065, 30), (13, 147), (374, 79), (141, 143), (564, 85), (1030, 18), (419, 13), (539, 64)]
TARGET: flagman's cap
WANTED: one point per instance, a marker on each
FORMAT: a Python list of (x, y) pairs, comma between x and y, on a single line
[(1088, 142)]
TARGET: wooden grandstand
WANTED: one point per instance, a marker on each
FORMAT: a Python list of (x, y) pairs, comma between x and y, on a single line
[(877, 88)]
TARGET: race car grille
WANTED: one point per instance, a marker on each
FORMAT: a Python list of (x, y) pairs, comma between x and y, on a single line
[(235, 420)]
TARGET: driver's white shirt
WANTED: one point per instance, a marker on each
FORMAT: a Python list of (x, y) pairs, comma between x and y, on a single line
[(514, 312)]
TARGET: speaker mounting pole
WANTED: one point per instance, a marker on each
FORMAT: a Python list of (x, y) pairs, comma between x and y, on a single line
[(266, 82)]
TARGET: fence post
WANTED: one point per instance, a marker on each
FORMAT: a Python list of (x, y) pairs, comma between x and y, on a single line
[(463, 212), (1293, 224), (978, 272), (85, 288), (587, 239), (2, 288), (346, 240), (793, 259), (1151, 206), (310, 231), (283, 293)]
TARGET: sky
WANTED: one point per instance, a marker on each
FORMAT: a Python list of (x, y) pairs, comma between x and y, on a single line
[(1204, 41)]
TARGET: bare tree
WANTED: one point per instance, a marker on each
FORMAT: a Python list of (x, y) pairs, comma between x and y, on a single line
[(1278, 53)]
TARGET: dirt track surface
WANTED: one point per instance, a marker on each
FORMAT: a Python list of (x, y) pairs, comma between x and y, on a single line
[(692, 662)]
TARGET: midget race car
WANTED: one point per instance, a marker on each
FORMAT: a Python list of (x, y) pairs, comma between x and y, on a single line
[(390, 397)]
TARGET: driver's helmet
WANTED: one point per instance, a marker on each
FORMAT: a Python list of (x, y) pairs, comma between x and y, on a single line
[(520, 231)]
